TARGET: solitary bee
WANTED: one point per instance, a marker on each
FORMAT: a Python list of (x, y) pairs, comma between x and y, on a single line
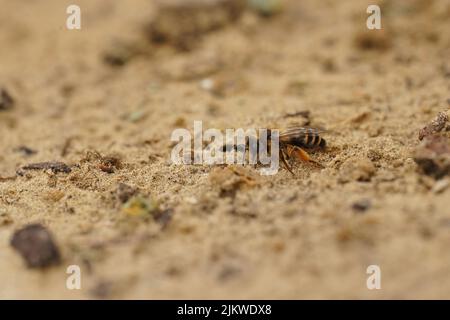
[(294, 140), (292, 144)]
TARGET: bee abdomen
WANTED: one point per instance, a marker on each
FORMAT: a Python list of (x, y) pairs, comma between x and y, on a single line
[(313, 140), (322, 143)]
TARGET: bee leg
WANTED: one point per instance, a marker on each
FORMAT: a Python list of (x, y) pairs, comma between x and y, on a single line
[(286, 165), (303, 155)]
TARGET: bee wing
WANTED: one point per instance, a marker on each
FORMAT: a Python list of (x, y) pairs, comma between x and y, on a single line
[(300, 131), (305, 129)]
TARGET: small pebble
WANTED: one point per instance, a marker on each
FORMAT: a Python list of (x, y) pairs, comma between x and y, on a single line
[(436, 125), (26, 151), (109, 164), (6, 101), (5, 218), (36, 245), (54, 166), (140, 207), (125, 192), (379, 40), (440, 185), (433, 156), (207, 84), (361, 205), (164, 217)]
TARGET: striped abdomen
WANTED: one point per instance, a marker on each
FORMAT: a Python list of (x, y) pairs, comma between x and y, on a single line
[(311, 140), (307, 138)]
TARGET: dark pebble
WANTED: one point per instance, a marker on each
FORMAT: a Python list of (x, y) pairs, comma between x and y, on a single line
[(54, 166), (164, 217), (433, 156), (26, 151), (125, 192), (6, 101), (361, 205), (35, 243)]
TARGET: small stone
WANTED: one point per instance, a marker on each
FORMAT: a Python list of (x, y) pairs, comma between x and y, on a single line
[(440, 185), (109, 164), (119, 53), (6, 101), (125, 192), (5, 218), (54, 166), (379, 40), (140, 207), (180, 122), (207, 84), (36, 245), (106, 164), (361, 205), (433, 156), (436, 125), (26, 151), (164, 217)]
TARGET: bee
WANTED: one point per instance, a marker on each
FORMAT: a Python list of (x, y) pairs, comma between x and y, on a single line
[(294, 141)]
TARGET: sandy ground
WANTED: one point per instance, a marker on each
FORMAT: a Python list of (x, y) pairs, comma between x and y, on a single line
[(311, 235)]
